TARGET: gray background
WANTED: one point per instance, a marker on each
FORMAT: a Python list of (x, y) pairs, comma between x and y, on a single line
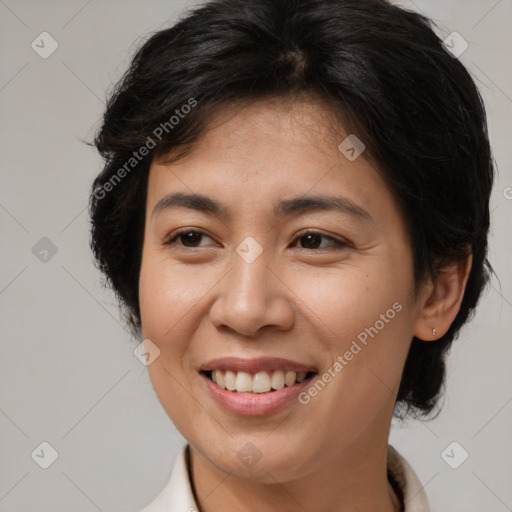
[(68, 375)]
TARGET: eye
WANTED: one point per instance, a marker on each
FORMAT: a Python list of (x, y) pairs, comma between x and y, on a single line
[(188, 237), (312, 240)]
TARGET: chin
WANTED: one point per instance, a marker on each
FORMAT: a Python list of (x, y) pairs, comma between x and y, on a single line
[(257, 459)]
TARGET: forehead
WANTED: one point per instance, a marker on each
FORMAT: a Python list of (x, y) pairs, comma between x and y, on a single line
[(265, 151), (281, 125)]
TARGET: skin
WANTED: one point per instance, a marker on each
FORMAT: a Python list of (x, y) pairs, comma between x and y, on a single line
[(300, 299)]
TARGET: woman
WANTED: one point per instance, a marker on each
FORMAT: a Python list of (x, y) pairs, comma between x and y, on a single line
[(294, 212)]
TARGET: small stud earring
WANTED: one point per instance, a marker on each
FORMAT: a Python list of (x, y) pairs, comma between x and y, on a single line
[(433, 332)]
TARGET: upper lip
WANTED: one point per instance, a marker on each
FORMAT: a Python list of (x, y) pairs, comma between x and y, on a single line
[(256, 365)]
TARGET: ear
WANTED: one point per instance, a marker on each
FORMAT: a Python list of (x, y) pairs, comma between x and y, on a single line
[(441, 299)]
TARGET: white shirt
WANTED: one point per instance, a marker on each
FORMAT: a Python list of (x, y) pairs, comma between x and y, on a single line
[(177, 495)]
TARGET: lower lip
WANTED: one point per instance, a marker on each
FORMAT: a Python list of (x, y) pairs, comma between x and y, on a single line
[(254, 404)]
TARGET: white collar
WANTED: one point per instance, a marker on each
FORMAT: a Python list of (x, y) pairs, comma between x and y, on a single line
[(177, 495)]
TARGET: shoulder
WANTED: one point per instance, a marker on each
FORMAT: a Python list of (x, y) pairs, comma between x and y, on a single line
[(177, 494), (415, 498)]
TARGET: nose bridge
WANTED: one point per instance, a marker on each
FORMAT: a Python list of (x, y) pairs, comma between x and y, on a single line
[(250, 286), (251, 262), (251, 295)]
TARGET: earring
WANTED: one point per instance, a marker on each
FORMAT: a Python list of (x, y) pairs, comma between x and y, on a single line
[(433, 332)]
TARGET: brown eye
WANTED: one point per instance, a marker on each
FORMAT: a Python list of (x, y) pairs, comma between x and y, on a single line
[(187, 238), (313, 240)]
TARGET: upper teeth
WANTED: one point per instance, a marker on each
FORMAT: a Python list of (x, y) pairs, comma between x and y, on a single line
[(261, 382)]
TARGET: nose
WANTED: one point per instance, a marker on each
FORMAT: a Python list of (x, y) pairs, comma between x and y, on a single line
[(252, 296)]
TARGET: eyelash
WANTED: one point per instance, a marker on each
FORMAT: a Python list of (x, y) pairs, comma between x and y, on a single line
[(339, 245)]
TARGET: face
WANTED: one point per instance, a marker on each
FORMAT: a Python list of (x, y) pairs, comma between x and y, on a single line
[(255, 283)]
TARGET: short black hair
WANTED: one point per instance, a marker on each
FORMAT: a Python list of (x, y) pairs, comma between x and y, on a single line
[(385, 74)]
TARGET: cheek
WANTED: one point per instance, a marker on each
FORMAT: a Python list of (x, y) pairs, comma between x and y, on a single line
[(167, 293), (364, 317), (345, 303), (173, 301), (367, 317), (166, 296)]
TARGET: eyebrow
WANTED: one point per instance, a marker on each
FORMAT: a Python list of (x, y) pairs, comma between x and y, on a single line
[(283, 208)]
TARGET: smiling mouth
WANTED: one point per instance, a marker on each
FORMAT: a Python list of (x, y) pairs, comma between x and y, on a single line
[(260, 382)]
